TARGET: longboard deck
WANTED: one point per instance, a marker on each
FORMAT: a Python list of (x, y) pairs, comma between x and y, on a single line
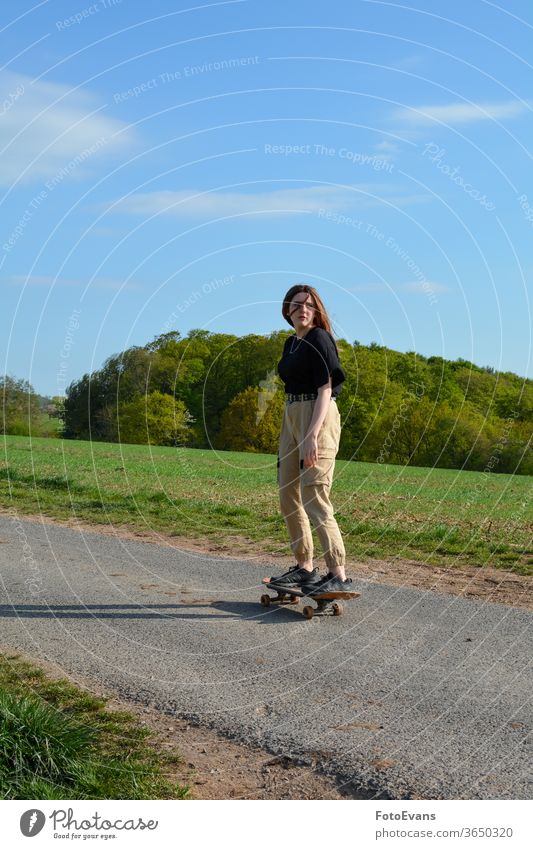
[(327, 596)]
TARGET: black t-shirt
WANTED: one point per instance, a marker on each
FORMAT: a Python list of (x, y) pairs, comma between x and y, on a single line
[(306, 364)]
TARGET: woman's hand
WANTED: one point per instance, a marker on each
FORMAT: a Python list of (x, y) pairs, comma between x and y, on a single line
[(310, 448)]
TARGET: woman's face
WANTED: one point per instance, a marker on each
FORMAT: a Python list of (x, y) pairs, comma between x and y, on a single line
[(302, 311)]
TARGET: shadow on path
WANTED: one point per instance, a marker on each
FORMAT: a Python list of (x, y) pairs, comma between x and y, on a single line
[(172, 610)]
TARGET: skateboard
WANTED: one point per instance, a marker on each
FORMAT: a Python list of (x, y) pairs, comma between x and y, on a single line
[(328, 603)]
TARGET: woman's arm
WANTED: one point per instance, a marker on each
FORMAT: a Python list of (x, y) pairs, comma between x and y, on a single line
[(310, 446)]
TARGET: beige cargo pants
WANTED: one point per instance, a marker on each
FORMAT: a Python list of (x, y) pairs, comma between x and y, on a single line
[(304, 492)]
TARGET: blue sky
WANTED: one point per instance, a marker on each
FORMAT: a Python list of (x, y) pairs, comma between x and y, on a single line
[(174, 166)]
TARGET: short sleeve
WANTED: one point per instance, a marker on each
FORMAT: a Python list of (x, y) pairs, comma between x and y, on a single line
[(325, 360)]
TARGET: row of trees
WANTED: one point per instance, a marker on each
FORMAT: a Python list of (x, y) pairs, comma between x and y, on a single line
[(220, 390), (25, 412)]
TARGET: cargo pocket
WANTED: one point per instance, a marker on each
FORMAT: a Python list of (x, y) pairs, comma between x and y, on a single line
[(329, 434), (322, 473)]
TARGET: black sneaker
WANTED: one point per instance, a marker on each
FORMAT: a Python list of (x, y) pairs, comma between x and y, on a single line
[(332, 584), (297, 577)]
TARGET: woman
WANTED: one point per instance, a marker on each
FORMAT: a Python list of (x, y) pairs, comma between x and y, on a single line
[(309, 442)]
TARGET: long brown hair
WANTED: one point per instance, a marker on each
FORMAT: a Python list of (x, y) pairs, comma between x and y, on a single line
[(321, 316)]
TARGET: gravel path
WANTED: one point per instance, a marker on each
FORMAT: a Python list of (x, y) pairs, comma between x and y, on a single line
[(408, 695)]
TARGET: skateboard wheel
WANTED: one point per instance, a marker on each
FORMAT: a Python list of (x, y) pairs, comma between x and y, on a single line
[(337, 608), (308, 612), (265, 600), (294, 599)]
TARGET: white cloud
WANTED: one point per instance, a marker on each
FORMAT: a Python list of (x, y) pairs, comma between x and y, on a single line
[(387, 150), (45, 126), (460, 113), (215, 204), (387, 146)]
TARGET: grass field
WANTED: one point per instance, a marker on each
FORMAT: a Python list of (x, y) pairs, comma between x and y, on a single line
[(439, 516)]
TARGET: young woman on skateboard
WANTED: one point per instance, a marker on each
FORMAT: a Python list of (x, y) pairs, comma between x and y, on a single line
[(309, 442)]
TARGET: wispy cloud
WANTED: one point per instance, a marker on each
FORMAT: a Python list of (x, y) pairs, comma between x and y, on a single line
[(387, 150), (194, 202), (45, 127), (47, 280), (316, 199), (460, 113)]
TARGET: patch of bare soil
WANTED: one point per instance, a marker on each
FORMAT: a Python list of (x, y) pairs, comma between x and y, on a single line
[(217, 768), (484, 584)]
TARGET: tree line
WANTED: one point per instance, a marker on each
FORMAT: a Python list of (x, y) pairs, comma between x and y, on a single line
[(24, 412), (222, 391)]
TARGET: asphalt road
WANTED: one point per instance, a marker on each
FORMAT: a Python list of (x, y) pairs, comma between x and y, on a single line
[(408, 695)]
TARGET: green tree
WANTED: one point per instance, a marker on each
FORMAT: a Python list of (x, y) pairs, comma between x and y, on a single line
[(77, 421), (252, 421), (154, 419), (21, 411)]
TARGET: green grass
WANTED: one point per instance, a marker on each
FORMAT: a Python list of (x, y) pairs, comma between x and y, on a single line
[(58, 742), (438, 516)]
